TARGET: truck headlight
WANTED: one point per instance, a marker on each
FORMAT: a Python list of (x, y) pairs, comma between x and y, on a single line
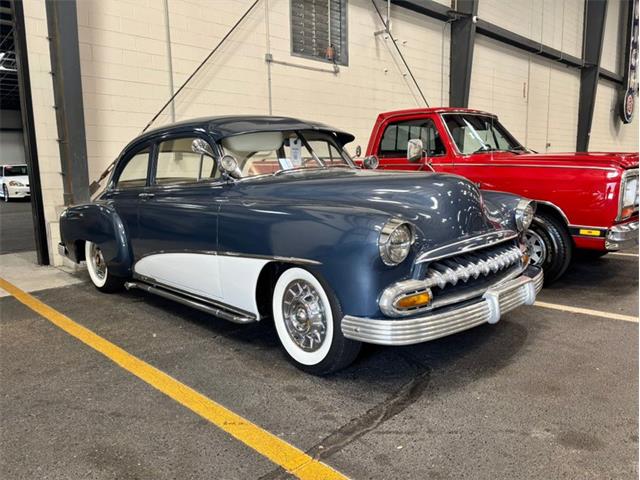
[(628, 194), (395, 241), (15, 183), (524, 214)]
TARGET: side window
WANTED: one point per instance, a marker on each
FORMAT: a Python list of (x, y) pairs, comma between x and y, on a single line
[(134, 174), (397, 135), (177, 163)]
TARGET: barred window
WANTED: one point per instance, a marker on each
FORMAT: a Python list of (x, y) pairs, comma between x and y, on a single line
[(319, 30)]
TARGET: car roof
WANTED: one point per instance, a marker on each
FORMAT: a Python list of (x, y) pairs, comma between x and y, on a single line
[(225, 126)]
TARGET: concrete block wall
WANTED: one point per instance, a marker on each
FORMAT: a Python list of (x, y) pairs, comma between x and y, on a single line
[(45, 120), (126, 76)]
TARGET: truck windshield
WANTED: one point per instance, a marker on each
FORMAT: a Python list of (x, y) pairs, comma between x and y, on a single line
[(267, 153), (474, 133)]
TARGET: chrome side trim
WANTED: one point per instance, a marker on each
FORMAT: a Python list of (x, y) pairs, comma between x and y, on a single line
[(217, 309), (277, 258), (495, 302), (581, 167), (468, 245)]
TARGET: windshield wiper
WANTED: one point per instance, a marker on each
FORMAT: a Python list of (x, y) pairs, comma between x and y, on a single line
[(486, 149)]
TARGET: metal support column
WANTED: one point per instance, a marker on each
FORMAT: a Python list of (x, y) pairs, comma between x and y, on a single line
[(30, 147), (593, 34), (463, 33), (62, 25)]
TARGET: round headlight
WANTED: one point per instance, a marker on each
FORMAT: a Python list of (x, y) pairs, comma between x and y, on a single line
[(395, 241), (524, 214)]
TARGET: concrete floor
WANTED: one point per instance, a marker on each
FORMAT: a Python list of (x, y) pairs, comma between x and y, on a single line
[(543, 394), (16, 226)]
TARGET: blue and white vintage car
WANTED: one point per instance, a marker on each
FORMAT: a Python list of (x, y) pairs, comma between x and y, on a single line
[(255, 217)]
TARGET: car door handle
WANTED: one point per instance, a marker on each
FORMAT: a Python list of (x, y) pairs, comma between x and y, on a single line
[(146, 196)]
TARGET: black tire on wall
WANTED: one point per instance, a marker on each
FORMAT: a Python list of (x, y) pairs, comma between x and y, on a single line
[(558, 243)]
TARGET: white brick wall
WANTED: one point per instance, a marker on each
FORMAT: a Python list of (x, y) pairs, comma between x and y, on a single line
[(608, 133), (44, 119), (125, 75)]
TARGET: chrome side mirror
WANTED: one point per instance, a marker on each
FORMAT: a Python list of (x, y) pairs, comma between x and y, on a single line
[(201, 146), (358, 151), (371, 162), (415, 150), (229, 166)]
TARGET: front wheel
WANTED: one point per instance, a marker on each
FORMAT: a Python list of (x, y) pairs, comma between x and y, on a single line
[(307, 318), (550, 246), (98, 270), (5, 193)]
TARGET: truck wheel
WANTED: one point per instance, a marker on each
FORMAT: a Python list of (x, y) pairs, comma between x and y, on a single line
[(5, 193), (307, 317), (550, 246), (98, 270)]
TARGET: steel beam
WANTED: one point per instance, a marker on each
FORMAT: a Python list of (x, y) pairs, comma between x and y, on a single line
[(463, 33), (30, 147), (438, 11), (595, 15), (62, 25)]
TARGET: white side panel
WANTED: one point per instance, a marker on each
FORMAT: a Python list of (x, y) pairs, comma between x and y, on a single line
[(239, 278), (614, 38), (608, 133), (195, 273)]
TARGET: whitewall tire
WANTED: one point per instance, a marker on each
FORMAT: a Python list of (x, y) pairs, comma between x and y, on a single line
[(307, 319), (99, 271)]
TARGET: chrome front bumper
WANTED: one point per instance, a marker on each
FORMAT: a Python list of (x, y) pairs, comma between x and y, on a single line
[(487, 309), (622, 236)]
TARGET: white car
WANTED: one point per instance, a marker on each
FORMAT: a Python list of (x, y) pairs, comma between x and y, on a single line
[(14, 182)]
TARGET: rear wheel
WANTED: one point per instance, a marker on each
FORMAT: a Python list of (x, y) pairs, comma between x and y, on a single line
[(550, 246), (307, 318), (98, 270)]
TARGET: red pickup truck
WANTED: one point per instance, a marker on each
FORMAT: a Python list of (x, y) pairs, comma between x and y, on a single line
[(586, 201)]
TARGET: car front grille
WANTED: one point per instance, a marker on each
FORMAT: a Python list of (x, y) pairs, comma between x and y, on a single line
[(464, 275)]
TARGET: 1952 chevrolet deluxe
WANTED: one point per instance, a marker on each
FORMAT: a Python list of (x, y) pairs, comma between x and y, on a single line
[(254, 217)]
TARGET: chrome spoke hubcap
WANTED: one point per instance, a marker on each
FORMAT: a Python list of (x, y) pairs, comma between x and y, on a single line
[(537, 248), (97, 262), (304, 315)]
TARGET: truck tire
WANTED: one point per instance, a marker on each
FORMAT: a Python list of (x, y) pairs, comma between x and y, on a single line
[(558, 245)]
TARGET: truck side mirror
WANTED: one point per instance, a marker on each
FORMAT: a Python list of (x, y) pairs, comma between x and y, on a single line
[(415, 150)]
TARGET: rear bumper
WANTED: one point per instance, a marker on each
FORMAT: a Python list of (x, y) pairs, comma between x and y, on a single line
[(622, 236), (497, 300)]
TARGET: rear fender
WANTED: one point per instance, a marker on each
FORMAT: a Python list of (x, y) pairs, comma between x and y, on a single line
[(98, 223)]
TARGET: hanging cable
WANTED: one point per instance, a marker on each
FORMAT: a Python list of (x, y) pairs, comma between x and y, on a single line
[(193, 74), (406, 65)]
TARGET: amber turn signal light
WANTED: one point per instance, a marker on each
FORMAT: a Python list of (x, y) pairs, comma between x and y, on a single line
[(415, 300)]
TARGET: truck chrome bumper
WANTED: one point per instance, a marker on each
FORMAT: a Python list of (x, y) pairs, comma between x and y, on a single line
[(487, 309), (622, 236)]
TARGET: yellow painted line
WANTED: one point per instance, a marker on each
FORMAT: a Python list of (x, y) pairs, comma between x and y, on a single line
[(621, 254), (587, 311), (280, 452)]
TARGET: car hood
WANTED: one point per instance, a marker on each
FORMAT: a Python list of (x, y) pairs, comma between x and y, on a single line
[(442, 206), (24, 179), (590, 159)]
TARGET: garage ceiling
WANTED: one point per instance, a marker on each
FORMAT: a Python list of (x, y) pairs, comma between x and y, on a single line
[(9, 93)]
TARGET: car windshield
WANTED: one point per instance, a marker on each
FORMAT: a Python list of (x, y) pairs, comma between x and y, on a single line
[(479, 133), (268, 153), (15, 170)]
